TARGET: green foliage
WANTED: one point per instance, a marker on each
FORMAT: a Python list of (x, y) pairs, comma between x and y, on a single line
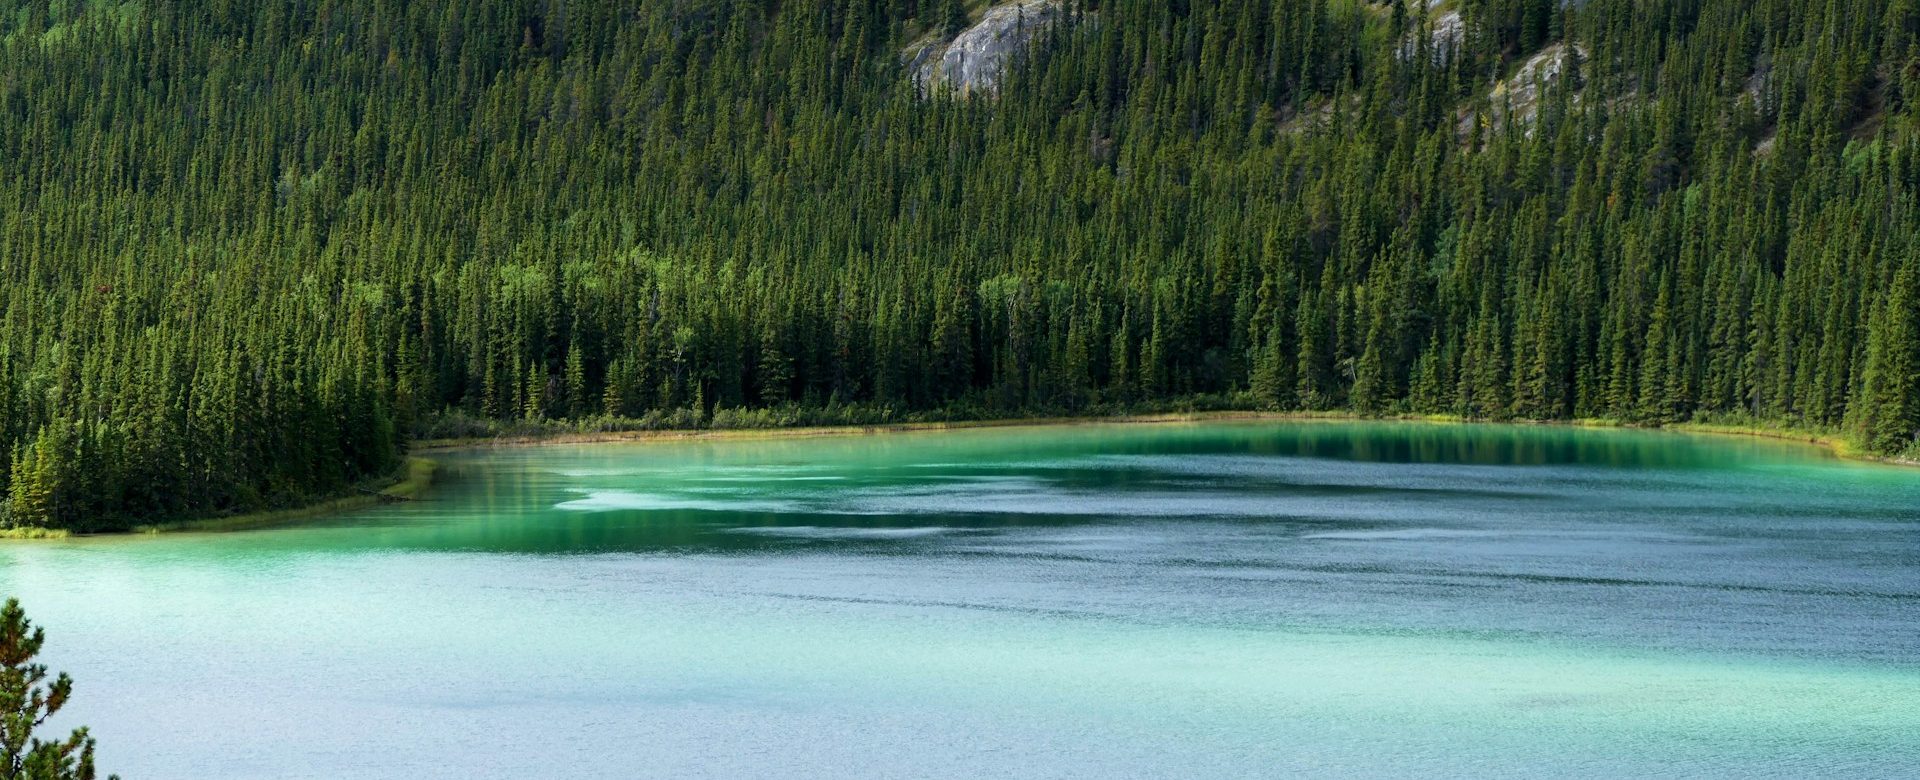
[(27, 700), (1888, 409), (953, 17), (250, 247)]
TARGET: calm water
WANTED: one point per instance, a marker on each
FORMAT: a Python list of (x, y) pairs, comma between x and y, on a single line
[(1230, 600)]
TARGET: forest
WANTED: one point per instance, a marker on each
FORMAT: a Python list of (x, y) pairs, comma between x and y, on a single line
[(252, 248)]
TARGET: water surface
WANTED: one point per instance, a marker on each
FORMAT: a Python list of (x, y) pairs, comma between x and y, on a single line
[(1218, 600)]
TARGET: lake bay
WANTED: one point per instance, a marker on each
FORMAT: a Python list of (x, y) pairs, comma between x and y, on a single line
[(1244, 599)]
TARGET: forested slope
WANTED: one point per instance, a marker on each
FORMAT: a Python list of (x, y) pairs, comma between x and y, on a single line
[(248, 246)]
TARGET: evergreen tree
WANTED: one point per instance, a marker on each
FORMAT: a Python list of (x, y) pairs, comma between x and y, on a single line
[(27, 700), (1889, 416)]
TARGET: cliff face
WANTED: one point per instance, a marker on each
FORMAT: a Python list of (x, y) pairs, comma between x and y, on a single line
[(972, 62), (1517, 99)]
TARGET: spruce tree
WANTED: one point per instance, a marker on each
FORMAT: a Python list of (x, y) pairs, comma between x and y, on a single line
[(27, 700)]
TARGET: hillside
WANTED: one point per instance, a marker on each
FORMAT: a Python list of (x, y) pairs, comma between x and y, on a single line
[(250, 246)]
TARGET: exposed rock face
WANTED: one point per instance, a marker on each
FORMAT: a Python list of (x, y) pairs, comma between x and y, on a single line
[(1518, 98), (1449, 30), (1523, 90), (972, 62)]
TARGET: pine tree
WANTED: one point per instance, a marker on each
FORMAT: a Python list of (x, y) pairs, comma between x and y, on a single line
[(953, 17), (27, 700), (1889, 417)]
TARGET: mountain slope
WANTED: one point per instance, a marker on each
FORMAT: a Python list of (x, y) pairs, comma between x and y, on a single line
[(250, 246)]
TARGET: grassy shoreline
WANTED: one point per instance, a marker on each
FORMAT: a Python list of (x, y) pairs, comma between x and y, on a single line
[(34, 533), (1837, 444), (875, 429), (413, 478), (417, 475)]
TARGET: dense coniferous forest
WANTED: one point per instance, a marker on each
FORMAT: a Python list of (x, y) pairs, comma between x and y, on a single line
[(250, 247)]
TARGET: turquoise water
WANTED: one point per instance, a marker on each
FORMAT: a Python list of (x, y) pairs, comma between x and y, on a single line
[(1219, 600)]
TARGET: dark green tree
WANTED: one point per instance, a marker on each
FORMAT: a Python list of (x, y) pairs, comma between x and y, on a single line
[(27, 700)]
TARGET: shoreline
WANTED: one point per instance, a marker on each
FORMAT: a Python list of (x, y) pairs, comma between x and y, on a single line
[(417, 473), (413, 478), (1839, 446), (878, 429), (1835, 445)]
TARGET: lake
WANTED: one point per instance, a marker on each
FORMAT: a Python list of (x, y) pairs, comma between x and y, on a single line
[(1221, 600)]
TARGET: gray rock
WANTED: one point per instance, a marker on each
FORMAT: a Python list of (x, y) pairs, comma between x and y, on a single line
[(1517, 99), (973, 61), (1449, 30)]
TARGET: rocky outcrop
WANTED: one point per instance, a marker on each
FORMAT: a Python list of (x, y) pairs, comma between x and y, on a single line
[(1522, 91), (973, 61), (1517, 99), (1447, 30)]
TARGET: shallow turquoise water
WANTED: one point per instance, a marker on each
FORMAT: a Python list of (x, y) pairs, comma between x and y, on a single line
[(1222, 600)]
